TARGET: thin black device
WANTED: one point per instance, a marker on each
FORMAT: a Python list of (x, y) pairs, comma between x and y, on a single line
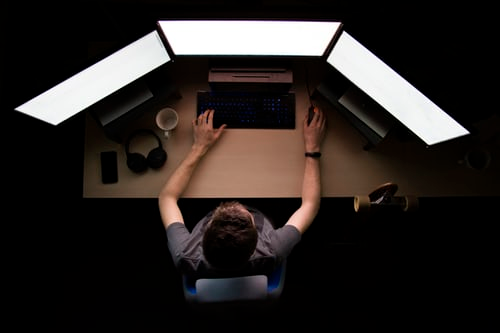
[(109, 167)]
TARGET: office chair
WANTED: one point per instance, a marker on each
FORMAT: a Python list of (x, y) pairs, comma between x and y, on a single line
[(232, 295)]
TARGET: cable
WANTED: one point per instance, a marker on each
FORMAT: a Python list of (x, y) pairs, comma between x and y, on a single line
[(307, 84)]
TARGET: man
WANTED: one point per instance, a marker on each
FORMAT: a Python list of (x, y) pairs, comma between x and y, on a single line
[(235, 239)]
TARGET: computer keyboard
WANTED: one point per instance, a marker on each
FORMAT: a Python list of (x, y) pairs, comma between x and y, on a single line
[(260, 110)]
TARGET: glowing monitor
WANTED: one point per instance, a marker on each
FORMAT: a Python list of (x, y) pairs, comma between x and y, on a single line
[(386, 87), (249, 37), (98, 81)]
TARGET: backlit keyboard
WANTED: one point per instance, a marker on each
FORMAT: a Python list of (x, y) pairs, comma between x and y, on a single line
[(260, 110)]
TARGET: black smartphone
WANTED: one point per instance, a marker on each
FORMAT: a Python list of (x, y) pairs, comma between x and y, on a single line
[(109, 167)]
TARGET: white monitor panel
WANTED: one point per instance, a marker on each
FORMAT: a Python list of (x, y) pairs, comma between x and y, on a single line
[(248, 37), (98, 81), (396, 95)]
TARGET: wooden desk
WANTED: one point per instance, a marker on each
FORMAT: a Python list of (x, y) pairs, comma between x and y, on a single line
[(269, 163)]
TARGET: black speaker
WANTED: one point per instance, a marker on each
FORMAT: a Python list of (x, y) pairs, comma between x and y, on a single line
[(137, 162)]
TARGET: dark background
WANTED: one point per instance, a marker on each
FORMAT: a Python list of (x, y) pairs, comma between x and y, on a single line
[(92, 265)]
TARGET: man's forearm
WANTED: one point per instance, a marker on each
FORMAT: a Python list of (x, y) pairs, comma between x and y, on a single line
[(311, 185), (181, 176), (204, 137), (311, 195)]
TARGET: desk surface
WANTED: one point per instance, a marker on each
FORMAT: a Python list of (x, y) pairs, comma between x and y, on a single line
[(269, 163)]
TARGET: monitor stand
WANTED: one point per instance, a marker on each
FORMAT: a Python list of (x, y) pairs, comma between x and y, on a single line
[(250, 79), (367, 110), (250, 75), (122, 102), (369, 118), (118, 110)]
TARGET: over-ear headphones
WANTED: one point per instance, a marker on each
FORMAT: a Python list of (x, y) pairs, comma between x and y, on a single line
[(138, 162)]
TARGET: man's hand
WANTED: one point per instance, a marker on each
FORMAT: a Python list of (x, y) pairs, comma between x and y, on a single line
[(315, 131), (203, 130)]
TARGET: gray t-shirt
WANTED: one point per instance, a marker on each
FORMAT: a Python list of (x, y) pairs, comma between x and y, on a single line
[(273, 246)]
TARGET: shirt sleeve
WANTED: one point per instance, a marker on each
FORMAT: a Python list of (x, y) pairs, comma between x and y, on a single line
[(177, 236), (285, 240)]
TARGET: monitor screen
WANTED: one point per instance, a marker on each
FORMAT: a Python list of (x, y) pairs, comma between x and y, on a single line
[(391, 91), (98, 81), (249, 37)]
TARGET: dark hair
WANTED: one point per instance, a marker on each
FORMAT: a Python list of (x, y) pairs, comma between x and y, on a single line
[(230, 237)]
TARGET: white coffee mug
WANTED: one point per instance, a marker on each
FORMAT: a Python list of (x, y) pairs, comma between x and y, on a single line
[(167, 120)]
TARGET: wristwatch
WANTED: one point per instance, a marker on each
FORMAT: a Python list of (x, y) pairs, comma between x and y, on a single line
[(314, 154)]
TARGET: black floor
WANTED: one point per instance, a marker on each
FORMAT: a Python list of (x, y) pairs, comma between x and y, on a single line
[(101, 265)]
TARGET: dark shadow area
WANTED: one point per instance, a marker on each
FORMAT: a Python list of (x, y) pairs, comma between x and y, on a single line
[(105, 266)]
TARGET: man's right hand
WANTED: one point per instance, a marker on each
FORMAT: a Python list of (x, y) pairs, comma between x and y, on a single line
[(314, 132)]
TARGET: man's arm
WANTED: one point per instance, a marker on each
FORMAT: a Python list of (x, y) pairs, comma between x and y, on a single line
[(311, 183), (204, 137)]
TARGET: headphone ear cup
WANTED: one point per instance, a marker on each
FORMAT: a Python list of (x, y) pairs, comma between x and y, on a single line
[(136, 162), (157, 157)]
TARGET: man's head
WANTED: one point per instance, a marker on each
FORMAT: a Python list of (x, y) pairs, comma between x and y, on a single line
[(230, 236)]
